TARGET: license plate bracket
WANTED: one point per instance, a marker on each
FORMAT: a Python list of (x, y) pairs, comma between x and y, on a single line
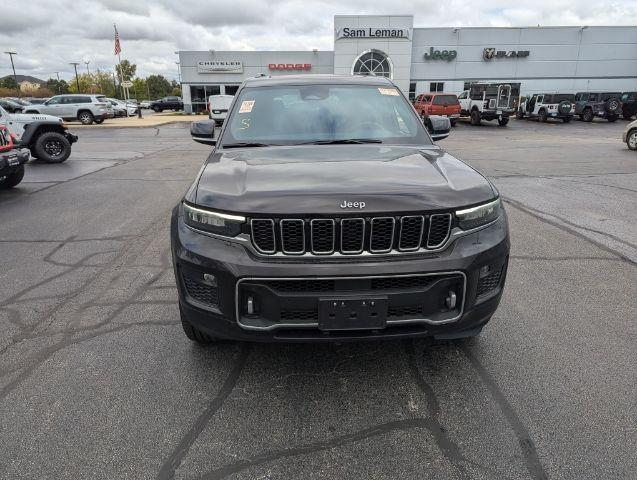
[(353, 313)]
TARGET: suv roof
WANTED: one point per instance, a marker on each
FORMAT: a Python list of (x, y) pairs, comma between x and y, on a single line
[(318, 79)]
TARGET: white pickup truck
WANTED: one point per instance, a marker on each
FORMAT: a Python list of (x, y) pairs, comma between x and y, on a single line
[(489, 101)]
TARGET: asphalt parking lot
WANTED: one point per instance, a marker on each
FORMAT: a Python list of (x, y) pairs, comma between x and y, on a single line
[(98, 380)]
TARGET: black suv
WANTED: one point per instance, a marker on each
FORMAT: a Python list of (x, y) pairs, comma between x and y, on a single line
[(589, 105), (629, 104), (167, 103), (326, 212)]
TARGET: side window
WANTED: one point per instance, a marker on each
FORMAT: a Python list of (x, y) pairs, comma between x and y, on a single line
[(426, 98), (593, 97), (540, 99), (462, 95), (54, 101)]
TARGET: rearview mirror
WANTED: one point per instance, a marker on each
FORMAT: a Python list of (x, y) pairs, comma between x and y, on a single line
[(203, 131), (438, 127)]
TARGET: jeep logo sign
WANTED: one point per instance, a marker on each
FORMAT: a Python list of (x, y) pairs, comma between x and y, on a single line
[(447, 55), (491, 53), (347, 204)]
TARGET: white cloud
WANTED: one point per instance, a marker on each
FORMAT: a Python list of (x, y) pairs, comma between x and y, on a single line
[(51, 33)]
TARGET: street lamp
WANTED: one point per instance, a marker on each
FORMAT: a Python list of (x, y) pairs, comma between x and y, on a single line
[(77, 79), (57, 74), (15, 78), (88, 72)]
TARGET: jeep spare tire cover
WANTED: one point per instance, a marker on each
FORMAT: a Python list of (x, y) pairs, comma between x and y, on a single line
[(612, 105), (564, 108)]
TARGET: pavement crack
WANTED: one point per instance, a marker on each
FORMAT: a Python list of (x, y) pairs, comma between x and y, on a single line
[(572, 228), (448, 447), (531, 459), (170, 465)]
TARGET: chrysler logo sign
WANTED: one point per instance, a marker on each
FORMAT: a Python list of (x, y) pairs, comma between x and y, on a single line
[(220, 66), (491, 53)]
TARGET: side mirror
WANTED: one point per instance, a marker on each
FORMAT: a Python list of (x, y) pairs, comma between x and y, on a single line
[(438, 127), (203, 131)]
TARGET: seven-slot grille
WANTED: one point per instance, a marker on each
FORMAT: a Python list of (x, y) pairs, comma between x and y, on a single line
[(350, 236)]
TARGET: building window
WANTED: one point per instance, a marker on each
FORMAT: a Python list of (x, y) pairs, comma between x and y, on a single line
[(412, 91), (231, 89), (373, 62), (437, 86)]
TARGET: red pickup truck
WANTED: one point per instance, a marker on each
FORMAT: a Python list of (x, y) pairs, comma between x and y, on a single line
[(444, 104)]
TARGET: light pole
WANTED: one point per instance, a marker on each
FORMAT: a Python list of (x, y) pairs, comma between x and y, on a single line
[(77, 79), (15, 78), (57, 74), (88, 72)]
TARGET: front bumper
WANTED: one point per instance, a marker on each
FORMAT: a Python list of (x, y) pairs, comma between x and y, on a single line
[(11, 161), (215, 277)]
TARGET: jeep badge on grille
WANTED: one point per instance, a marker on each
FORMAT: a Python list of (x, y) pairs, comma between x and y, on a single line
[(347, 204)]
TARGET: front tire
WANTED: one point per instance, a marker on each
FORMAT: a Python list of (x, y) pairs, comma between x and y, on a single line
[(587, 115), (12, 179), (193, 333), (631, 139), (52, 147), (475, 117), (566, 119), (612, 118), (503, 122), (453, 122), (542, 116), (85, 118), (99, 121), (627, 116), (157, 109)]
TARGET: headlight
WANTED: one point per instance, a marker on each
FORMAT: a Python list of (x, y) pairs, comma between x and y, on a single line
[(478, 216), (213, 222)]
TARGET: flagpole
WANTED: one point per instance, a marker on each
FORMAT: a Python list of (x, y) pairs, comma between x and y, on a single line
[(119, 63)]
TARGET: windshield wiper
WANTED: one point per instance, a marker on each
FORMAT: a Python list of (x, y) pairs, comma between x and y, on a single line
[(343, 141), (246, 145)]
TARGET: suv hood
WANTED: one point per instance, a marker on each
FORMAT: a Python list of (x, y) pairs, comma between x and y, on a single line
[(318, 179), (32, 117)]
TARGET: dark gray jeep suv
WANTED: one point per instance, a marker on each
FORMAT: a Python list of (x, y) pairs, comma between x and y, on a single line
[(326, 212)]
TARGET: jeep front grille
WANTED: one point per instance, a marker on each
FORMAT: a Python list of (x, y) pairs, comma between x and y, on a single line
[(350, 236)]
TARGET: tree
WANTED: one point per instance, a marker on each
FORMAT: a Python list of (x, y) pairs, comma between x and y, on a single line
[(158, 86), (127, 70), (57, 86), (139, 89), (8, 82)]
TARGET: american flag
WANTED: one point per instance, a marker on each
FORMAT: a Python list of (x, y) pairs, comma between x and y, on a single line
[(118, 47)]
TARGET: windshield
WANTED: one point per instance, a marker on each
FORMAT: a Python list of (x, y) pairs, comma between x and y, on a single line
[(293, 114)]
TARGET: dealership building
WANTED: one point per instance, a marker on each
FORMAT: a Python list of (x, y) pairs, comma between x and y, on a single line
[(541, 59)]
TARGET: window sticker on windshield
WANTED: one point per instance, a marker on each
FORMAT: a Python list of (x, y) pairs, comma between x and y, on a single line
[(246, 106), (388, 91)]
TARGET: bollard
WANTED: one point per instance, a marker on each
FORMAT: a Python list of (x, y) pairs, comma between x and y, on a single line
[(139, 111)]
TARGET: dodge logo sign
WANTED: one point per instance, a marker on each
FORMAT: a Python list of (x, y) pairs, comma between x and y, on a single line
[(290, 66), (491, 53)]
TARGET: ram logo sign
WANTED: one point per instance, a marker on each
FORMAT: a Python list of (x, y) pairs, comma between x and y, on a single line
[(491, 53)]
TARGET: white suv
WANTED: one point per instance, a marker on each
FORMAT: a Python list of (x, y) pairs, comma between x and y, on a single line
[(548, 105), (85, 108)]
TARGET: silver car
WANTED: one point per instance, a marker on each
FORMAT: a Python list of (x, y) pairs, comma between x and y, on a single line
[(83, 107), (630, 135)]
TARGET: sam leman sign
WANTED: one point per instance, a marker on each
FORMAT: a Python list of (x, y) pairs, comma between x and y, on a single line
[(373, 32), (220, 66)]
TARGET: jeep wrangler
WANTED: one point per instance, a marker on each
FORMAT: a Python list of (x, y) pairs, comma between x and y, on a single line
[(46, 137), (326, 212), (489, 101), (547, 105), (589, 105), (629, 104)]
